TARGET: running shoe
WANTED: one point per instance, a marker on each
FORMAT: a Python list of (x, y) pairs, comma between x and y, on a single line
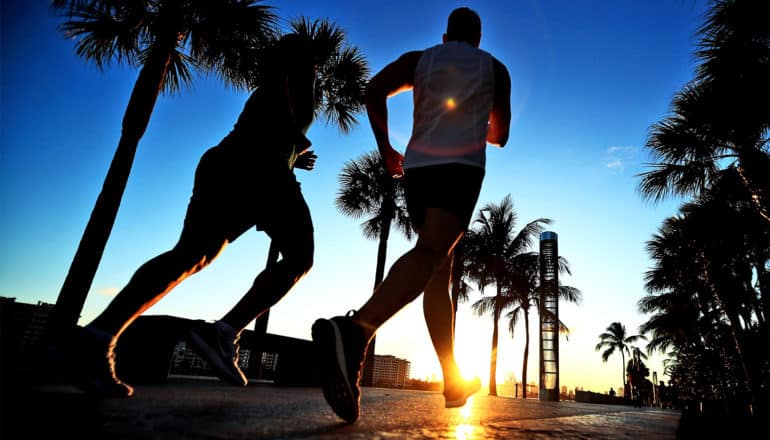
[(217, 343), (341, 348), (93, 363)]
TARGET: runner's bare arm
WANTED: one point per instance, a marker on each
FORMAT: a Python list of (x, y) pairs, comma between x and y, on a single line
[(500, 117), (396, 77)]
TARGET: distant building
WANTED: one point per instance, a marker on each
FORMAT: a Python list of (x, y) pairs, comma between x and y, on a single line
[(281, 359), (390, 371), (26, 325), (186, 361)]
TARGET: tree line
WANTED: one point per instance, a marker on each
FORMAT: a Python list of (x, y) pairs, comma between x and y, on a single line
[(708, 290)]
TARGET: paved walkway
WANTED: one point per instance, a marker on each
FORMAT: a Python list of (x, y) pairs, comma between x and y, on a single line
[(207, 409)]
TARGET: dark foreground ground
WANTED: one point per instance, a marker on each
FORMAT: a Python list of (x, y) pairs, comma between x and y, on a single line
[(207, 409)]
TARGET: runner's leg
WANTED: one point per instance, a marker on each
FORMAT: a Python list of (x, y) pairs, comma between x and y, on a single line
[(292, 231)]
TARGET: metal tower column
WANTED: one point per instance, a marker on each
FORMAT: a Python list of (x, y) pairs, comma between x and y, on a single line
[(549, 317)]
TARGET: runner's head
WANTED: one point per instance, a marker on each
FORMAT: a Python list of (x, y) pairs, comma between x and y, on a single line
[(464, 24)]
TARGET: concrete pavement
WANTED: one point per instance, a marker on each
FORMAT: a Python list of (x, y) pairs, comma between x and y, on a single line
[(207, 409)]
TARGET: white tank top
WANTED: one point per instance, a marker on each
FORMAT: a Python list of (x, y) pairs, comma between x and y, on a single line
[(453, 95)]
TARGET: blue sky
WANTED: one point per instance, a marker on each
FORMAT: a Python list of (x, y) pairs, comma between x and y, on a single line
[(589, 78)]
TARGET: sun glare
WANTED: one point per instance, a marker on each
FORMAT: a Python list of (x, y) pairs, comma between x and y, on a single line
[(450, 104), (473, 362), (467, 429)]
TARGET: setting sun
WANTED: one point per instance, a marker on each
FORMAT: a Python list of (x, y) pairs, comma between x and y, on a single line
[(472, 354), (450, 104)]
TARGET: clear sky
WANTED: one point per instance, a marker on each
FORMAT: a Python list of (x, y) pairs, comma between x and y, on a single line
[(589, 78)]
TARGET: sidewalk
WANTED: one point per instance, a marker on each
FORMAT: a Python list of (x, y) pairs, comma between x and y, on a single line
[(207, 409)]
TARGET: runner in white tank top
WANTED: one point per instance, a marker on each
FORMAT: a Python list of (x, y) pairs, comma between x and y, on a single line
[(453, 93), (461, 103)]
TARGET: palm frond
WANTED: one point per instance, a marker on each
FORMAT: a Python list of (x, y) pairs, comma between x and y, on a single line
[(484, 306), (231, 38), (342, 72), (101, 34)]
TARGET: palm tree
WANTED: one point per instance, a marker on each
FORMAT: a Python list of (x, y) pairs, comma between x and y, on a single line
[(524, 286), (367, 190), (168, 40), (616, 338), (340, 82), (722, 116), (494, 245)]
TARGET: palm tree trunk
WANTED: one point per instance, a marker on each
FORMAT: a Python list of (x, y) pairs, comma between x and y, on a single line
[(623, 359), (753, 169), (736, 332), (367, 378), (493, 356), (81, 273), (526, 353), (382, 251)]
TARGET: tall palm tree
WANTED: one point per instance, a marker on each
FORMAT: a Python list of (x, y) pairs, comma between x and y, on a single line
[(460, 289), (168, 41), (340, 82), (616, 338), (366, 190), (494, 246), (723, 115), (524, 285)]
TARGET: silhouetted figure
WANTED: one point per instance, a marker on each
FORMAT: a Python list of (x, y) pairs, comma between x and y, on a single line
[(245, 181), (612, 392), (462, 101)]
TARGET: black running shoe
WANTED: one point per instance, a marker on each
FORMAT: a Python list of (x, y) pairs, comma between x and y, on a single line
[(341, 348), (217, 343), (92, 363)]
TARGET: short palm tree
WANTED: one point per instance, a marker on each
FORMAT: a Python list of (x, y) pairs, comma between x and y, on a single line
[(460, 289), (366, 190), (616, 338), (340, 82), (494, 245)]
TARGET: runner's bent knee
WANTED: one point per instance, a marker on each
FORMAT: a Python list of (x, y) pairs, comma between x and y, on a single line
[(194, 256), (300, 261)]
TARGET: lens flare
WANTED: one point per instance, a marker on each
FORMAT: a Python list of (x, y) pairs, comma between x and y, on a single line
[(450, 104)]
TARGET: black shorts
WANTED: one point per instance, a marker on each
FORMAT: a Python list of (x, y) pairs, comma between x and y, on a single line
[(452, 187), (231, 195)]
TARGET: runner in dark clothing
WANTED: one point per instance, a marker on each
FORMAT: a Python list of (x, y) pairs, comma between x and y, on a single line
[(245, 181)]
